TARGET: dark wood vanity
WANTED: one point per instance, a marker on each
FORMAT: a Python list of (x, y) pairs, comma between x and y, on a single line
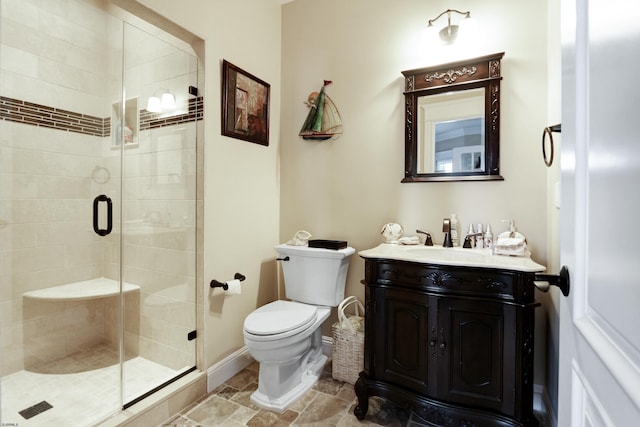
[(454, 344)]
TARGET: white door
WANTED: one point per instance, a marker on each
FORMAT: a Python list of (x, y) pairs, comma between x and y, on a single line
[(599, 382)]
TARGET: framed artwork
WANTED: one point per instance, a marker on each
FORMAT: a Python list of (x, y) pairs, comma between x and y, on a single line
[(245, 105)]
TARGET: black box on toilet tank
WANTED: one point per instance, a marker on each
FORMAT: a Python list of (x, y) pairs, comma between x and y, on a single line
[(328, 244)]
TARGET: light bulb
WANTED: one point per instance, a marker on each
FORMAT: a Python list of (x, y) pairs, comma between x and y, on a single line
[(430, 36), (168, 101), (467, 30), (154, 105)]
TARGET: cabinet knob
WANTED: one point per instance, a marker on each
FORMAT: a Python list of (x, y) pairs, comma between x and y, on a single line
[(443, 345), (432, 343)]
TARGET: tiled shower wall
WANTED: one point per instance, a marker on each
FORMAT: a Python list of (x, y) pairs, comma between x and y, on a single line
[(63, 55), (45, 240)]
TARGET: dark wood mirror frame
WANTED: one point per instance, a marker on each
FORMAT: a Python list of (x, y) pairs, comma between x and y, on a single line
[(481, 72)]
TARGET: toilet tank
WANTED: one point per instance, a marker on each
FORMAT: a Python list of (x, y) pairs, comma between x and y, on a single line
[(314, 275)]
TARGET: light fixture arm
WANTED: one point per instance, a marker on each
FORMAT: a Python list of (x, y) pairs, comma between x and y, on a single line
[(449, 33), (466, 14)]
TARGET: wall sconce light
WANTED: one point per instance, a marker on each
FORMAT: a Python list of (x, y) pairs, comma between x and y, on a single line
[(157, 104), (168, 101), (154, 105), (448, 35)]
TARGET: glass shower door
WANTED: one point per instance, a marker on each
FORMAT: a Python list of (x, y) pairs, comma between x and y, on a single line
[(59, 278), (159, 210), (97, 212)]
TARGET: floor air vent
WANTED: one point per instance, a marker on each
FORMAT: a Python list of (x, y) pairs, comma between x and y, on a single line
[(34, 410)]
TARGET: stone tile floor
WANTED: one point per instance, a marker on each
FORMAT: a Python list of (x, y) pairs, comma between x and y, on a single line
[(328, 403)]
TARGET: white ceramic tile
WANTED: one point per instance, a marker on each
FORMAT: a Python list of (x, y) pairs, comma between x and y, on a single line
[(81, 398), (64, 40), (64, 75), (21, 35), (59, 7), (17, 236), (68, 232), (19, 61), (20, 11), (87, 16), (44, 92), (22, 186)]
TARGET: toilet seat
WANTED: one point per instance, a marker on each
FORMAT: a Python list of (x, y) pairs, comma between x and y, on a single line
[(279, 319)]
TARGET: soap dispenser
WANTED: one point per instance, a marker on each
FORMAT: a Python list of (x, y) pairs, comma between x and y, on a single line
[(510, 242), (511, 233)]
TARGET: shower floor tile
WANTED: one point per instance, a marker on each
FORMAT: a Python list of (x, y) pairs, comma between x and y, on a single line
[(82, 388)]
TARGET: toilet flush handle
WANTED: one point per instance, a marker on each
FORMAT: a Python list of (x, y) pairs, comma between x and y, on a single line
[(283, 259)]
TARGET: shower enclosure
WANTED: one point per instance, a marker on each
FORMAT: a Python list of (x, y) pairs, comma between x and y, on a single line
[(99, 113)]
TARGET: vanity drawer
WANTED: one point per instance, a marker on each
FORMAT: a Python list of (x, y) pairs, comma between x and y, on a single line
[(483, 282)]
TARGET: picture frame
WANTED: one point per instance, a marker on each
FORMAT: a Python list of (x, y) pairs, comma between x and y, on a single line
[(245, 105)]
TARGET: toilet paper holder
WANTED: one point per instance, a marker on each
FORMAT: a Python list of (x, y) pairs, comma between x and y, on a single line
[(216, 284)]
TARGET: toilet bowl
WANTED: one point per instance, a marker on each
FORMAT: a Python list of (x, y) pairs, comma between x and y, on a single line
[(285, 337)]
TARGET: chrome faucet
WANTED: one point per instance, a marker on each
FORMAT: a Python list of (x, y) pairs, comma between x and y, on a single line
[(446, 227), (427, 240), (468, 237)]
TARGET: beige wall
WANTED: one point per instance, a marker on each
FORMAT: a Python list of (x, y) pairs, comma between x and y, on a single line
[(348, 188), (241, 187)]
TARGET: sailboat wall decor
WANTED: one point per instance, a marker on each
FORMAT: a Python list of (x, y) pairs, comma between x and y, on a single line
[(323, 121)]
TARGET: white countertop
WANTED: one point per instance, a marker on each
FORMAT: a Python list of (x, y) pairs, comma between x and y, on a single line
[(456, 256)]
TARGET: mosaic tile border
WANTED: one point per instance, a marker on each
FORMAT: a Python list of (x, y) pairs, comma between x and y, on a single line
[(152, 120), (16, 110)]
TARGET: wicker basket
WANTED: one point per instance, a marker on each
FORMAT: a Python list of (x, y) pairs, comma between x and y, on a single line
[(348, 342)]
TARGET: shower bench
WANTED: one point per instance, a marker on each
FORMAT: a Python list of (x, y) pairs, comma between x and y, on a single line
[(64, 320), (87, 289)]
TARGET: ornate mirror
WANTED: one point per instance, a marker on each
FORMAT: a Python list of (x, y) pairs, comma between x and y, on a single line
[(452, 121)]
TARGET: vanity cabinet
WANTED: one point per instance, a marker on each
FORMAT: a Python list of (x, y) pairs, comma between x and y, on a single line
[(455, 344)]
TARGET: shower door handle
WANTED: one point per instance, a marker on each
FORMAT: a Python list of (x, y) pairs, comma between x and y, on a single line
[(102, 231)]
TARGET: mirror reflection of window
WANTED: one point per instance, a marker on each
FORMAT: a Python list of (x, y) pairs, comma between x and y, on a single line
[(459, 145), (451, 132), (444, 161)]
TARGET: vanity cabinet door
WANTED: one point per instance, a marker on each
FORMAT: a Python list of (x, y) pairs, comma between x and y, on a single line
[(476, 345), (402, 335), (453, 344)]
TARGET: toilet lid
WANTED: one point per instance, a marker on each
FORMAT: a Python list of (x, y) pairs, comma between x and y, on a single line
[(278, 317)]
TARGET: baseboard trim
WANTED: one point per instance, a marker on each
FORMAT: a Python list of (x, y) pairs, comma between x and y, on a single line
[(327, 346), (240, 359), (542, 404), (538, 399), (552, 417), (227, 367)]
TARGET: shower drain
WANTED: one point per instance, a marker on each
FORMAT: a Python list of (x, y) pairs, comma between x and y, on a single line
[(34, 410)]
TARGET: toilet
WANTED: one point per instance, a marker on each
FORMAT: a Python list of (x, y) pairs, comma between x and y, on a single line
[(285, 337)]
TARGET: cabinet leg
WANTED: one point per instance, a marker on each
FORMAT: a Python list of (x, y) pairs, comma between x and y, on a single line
[(360, 388)]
